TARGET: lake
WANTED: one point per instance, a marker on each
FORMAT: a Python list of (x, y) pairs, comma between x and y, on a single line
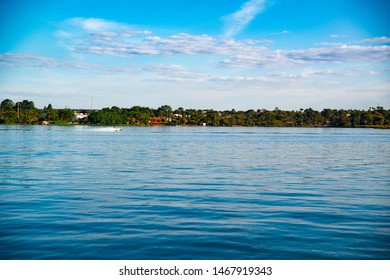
[(164, 193)]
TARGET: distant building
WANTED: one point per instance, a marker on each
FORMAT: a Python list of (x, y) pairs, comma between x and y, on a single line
[(80, 115), (155, 121)]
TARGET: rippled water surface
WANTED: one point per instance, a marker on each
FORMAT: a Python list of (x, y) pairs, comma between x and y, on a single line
[(194, 193)]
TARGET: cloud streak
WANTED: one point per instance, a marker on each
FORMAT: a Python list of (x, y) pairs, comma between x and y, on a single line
[(344, 53), (41, 61), (291, 58), (105, 38), (104, 44), (175, 72), (377, 40), (98, 25), (234, 61), (239, 20)]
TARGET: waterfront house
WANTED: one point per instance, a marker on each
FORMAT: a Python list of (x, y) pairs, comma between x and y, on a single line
[(155, 121)]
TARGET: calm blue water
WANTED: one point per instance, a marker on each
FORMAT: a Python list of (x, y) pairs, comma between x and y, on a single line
[(194, 193)]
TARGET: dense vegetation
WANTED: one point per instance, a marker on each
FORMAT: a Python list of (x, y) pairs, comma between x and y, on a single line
[(25, 113)]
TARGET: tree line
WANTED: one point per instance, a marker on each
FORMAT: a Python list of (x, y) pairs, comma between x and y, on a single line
[(25, 112)]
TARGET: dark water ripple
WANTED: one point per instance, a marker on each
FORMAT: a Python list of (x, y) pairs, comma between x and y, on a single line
[(194, 193)]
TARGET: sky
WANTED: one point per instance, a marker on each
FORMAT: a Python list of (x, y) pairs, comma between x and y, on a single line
[(214, 54)]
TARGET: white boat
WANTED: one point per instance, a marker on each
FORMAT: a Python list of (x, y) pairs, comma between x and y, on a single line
[(117, 129)]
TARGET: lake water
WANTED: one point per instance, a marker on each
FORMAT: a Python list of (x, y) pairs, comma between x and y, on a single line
[(194, 193)]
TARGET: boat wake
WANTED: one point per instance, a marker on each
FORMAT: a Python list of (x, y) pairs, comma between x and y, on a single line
[(108, 129)]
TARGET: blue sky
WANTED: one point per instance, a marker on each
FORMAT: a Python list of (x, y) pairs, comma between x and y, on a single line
[(219, 54)]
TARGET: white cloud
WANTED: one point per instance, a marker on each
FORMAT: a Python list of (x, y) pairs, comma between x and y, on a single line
[(40, 61), (95, 24), (163, 68), (331, 44), (368, 41), (241, 79), (344, 53), (201, 45), (266, 59), (283, 32), (101, 37), (118, 40), (257, 42), (175, 72), (237, 21), (336, 36), (377, 40), (27, 59), (117, 44), (244, 65), (289, 58), (105, 38), (279, 78), (98, 25)]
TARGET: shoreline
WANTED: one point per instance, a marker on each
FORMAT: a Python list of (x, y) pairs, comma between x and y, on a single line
[(167, 125), (26, 113)]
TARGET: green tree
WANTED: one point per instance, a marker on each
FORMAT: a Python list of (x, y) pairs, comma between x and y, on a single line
[(366, 118), (165, 112), (50, 114), (7, 104), (26, 104), (379, 119), (66, 115)]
